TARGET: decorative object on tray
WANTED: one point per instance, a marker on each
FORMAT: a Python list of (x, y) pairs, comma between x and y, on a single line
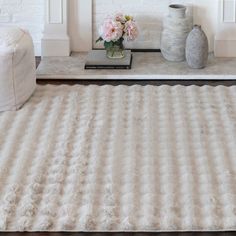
[(114, 31), (97, 59), (197, 48), (176, 27)]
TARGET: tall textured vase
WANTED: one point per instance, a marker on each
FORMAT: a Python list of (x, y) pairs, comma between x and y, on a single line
[(176, 27), (197, 48)]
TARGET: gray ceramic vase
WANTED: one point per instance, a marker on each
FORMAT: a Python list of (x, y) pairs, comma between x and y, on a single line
[(176, 27), (197, 48)]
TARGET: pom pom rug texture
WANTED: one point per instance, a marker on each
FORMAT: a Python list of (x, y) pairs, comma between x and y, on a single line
[(120, 158)]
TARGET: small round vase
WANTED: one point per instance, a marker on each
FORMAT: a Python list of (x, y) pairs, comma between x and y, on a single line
[(197, 48), (176, 27)]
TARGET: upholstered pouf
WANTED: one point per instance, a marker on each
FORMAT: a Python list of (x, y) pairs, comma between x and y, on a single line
[(17, 68)]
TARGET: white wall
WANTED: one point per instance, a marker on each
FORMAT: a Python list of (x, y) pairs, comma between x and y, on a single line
[(28, 14), (206, 14), (149, 15)]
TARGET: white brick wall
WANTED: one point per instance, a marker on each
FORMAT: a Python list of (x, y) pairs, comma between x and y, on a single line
[(148, 15), (28, 14)]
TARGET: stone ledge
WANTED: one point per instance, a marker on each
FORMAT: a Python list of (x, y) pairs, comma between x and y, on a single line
[(146, 66)]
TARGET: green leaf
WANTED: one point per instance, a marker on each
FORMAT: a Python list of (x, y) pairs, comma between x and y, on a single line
[(99, 39), (119, 43), (108, 44)]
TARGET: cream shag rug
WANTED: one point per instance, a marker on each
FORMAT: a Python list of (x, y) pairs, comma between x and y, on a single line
[(90, 158)]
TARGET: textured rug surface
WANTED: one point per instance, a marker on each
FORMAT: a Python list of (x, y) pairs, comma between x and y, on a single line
[(90, 158)]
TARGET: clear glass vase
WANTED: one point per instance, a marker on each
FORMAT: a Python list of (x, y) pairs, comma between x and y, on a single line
[(115, 52)]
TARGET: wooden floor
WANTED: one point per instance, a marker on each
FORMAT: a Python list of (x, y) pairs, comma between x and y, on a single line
[(119, 234), (143, 82)]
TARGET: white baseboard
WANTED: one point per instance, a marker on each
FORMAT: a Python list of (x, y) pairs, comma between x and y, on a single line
[(55, 47), (225, 47), (37, 48)]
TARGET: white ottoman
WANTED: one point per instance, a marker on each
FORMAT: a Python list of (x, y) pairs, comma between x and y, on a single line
[(17, 68)]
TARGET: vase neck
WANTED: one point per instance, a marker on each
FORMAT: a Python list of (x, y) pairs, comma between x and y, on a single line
[(177, 11), (197, 27)]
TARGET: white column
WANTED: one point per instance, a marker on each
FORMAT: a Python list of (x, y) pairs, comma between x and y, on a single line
[(225, 39), (56, 41), (80, 25)]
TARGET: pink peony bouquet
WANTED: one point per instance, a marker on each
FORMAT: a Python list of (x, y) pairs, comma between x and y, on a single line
[(116, 29)]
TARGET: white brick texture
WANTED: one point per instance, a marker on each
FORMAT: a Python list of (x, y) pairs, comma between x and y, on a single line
[(148, 15), (28, 14)]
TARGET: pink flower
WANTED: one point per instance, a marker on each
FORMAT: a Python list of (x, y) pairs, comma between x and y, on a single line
[(131, 30), (120, 17), (111, 30), (118, 26)]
